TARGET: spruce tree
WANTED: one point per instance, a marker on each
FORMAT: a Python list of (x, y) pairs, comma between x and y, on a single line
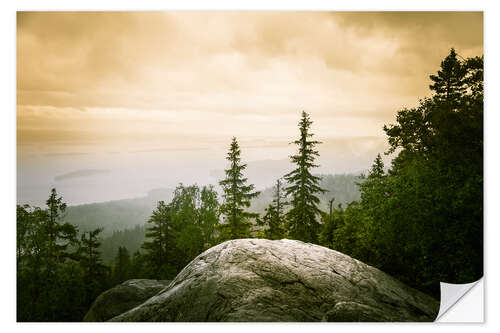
[(449, 84), (161, 242), (377, 170), (303, 186), (53, 239), (94, 272), (122, 270), (274, 217), (237, 196), (59, 235)]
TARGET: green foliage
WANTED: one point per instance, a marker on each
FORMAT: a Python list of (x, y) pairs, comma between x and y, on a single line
[(237, 196), (138, 264), (115, 215), (422, 221), (161, 242), (94, 272), (302, 222), (442, 186), (208, 215), (343, 187), (122, 269), (180, 230), (54, 282), (131, 239), (274, 217), (188, 233)]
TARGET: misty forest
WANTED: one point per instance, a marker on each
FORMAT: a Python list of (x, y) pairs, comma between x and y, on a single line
[(419, 219)]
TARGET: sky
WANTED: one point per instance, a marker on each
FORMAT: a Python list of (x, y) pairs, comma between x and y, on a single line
[(113, 104)]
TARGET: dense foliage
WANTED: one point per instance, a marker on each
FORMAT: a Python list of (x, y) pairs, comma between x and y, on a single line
[(57, 274), (422, 220), (180, 230), (274, 217), (131, 239)]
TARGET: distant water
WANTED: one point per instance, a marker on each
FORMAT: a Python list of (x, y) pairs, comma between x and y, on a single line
[(98, 177), (77, 180)]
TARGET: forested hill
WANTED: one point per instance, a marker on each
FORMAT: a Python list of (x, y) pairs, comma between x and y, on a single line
[(116, 215), (129, 231), (126, 214), (341, 187)]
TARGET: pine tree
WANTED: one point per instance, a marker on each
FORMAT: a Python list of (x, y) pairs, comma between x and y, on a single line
[(122, 269), (274, 217), (53, 239), (237, 196), (138, 264), (59, 235), (160, 244), (449, 83), (377, 169), (90, 260), (302, 217)]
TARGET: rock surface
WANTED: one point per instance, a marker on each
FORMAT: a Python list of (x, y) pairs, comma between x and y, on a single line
[(285, 280), (123, 297)]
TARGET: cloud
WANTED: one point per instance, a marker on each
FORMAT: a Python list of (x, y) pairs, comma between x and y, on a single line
[(87, 76)]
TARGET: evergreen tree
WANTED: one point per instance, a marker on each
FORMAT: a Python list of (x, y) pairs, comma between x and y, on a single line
[(161, 243), (374, 191), (94, 272), (326, 237), (333, 232), (59, 235), (237, 196), (449, 84), (122, 270), (31, 244), (24, 226), (377, 169), (304, 187), (138, 264), (55, 239), (431, 199), (274, 217), (72, 293), (43, 253), (131, 239)]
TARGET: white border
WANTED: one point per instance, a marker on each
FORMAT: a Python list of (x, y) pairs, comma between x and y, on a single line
[(8, 135)]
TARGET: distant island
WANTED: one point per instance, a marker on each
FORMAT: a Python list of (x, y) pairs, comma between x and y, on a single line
[(81, 173)]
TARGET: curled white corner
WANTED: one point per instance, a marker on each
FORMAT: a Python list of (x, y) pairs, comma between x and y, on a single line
[(452, 294)]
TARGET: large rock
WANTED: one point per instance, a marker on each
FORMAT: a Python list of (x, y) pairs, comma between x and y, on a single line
[(285, 280), (123, 297)]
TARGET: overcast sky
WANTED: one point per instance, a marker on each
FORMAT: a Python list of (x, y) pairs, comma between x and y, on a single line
[(126, 83)]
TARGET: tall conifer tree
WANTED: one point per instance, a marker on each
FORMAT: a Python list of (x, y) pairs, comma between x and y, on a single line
[(304, 186), (237, 196)]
